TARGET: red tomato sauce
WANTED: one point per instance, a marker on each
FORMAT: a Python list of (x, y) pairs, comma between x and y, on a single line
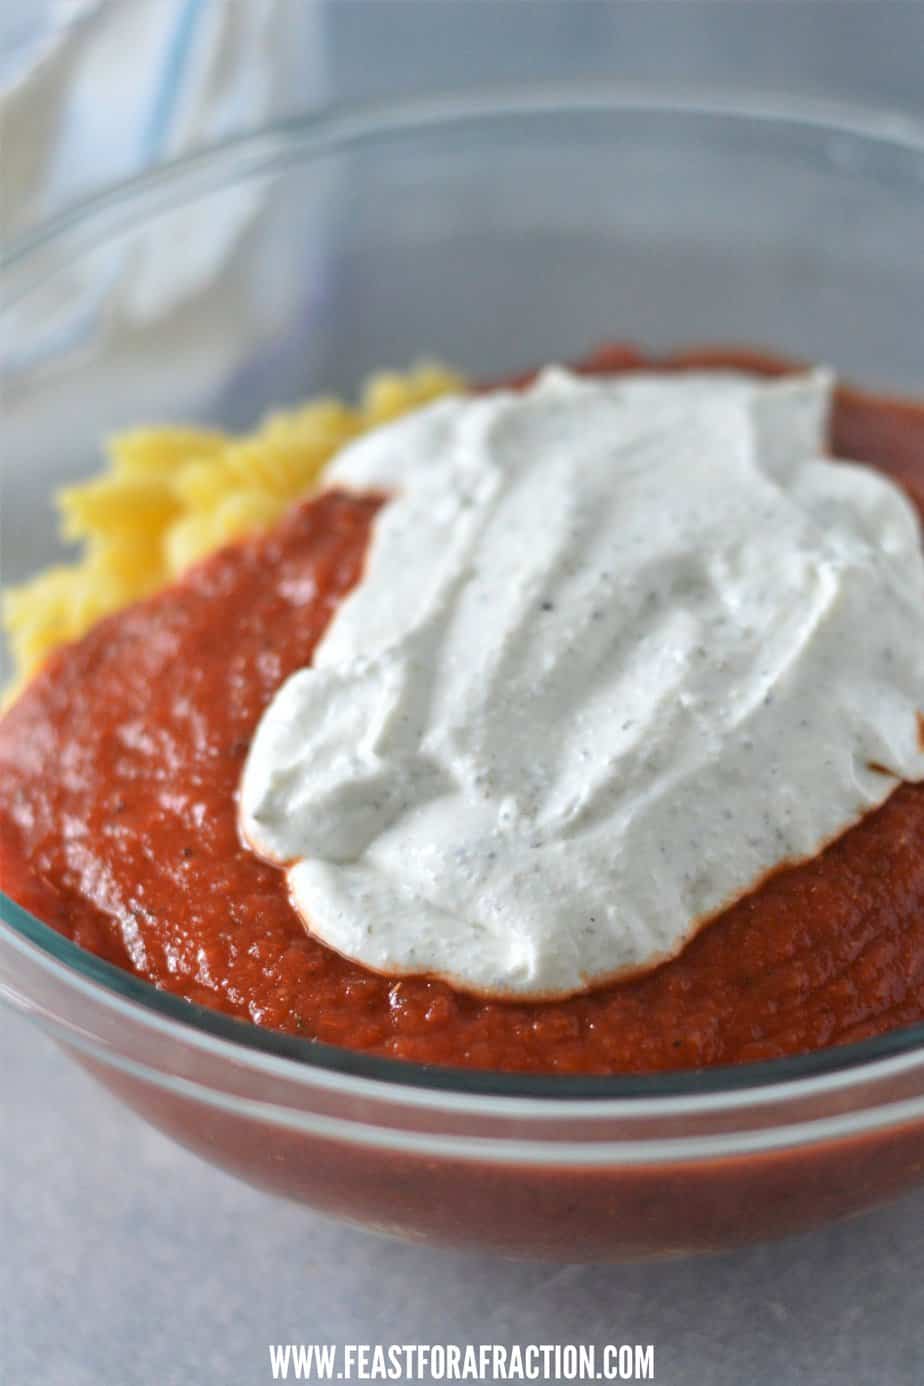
[(119, 765)]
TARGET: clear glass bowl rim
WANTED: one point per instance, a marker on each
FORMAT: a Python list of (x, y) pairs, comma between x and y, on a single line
[(117, 208)]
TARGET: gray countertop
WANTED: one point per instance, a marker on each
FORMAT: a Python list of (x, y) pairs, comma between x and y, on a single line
[(126, 1261)]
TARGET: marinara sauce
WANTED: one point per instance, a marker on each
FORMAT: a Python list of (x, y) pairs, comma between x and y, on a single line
[(119, 766)]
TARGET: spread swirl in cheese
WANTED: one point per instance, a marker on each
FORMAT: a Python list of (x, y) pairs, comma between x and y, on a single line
[(621, 648)]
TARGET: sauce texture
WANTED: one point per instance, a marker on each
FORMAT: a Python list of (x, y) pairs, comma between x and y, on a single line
[(118, 770)]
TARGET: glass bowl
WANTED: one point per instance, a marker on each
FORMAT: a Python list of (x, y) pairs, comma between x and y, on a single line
[(497, 232)]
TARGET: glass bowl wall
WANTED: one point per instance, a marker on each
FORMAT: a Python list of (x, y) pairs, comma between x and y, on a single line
[(495, 233)]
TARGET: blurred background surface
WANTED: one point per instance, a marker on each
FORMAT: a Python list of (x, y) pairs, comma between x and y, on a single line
[(98, 89)]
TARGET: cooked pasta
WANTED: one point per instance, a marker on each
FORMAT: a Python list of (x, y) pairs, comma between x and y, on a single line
[(170, 495)]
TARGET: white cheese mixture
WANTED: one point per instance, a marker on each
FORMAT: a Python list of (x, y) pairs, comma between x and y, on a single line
[(621, 647)]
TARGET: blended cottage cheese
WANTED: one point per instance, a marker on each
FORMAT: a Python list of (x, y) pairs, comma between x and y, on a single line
[(621, 648)]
